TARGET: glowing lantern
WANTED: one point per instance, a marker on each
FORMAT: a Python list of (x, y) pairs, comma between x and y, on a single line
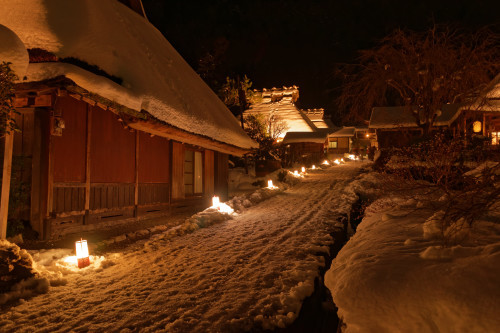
[(367, 135), (215, 202), (313, 167), (326, 162), (270, 184), (303, 170), (296, 173), (341, 160), (477, 126), (82, 253), (336, 162)]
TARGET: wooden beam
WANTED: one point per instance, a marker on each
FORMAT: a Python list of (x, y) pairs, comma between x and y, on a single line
[(7, 170), (87, 163), (173, 133), (136, 185)]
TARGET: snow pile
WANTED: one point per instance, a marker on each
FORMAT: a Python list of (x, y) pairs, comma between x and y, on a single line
[(57, 264), (114, 38), (13, 50), (395, 276), (18, 279)]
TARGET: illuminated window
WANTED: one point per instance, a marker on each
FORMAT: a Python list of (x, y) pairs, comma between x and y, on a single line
[(495, 138), (332, 144)]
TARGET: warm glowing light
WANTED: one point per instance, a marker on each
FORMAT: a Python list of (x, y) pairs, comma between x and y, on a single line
[(477, 126), (303, 170), (341, 160), (82, 253), (296, 173), (352, 157), (325, 162), (336, 162), (215, 202), (313, 167), (224, 208), (367, 135)]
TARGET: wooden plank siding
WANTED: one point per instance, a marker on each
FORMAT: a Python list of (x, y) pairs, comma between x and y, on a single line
[(177, 170), (100, 172)]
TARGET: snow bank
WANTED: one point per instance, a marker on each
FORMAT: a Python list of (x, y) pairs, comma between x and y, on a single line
[(393, 276), (114, 38), (18, 279)]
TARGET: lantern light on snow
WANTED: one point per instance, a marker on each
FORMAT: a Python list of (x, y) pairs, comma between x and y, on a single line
[(82, 253), (477, 126), (326, 162), (296, 173), (313, 167), (270, 183), (215, 202), (337, 162), (303, 170)]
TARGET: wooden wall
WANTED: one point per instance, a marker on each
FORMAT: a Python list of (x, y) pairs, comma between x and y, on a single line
[(209, 173), (177, 170), (221, 175)]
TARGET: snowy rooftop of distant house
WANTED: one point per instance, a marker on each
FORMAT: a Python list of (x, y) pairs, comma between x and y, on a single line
[(343, 132), (281, 102), (296, 137), (492, 100), (400, 116), (109, 35)]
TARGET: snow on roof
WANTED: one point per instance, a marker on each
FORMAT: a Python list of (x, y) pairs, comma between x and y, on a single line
[(297, 137), (400, 116), (343, 132), (491, 100), (282, 103), (122, 43)]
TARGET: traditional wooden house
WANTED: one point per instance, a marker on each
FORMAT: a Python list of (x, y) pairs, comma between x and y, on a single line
[(114, 124), (396, 126), (305, 147)]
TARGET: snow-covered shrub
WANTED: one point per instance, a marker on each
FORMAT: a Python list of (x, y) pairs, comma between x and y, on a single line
[(440, 171), (18, 278)]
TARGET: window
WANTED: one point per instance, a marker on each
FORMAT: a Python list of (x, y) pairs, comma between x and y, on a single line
[(193, 172), (495, 138), (332, 144)]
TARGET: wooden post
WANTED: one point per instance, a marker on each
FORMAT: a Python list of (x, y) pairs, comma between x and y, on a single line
[(484, 124), (136, 186), (87, 165), (7, 169)]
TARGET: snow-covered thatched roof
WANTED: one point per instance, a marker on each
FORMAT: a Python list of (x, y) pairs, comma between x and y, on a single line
[(400, 116), (297, 137), (344, 132), (109, 35), (281, 102)]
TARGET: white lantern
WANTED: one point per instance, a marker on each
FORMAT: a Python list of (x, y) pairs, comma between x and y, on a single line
[(82, 253), (326, 162), (296, 173), (337, 162), (313, 167), (215, 202), (303, 170), (270, 184), (477, 126)]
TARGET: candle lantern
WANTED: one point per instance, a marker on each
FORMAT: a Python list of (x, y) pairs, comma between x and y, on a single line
[(270, 184), (303, 170), (313, 167), (477, 127), (215, 202), (82, 253), (296, 173)]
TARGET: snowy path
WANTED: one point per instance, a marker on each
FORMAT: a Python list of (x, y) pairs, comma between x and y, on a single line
[(249, 272)]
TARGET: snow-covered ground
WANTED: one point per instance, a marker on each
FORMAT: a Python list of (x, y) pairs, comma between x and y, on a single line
[(394, 275), (251, 271)]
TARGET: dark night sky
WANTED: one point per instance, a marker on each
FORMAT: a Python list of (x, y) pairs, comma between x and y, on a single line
[(286, 42)]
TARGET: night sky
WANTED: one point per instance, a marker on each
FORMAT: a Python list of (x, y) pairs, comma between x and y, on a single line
[(286, 42)]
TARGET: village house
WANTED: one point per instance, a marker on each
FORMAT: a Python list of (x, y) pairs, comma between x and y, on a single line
[(114, 125)]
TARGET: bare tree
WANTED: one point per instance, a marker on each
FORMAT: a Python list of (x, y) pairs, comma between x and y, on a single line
[(421, 71), (265, 130)]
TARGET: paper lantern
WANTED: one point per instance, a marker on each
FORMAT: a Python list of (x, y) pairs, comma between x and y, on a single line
[(303, 170), (477, 126), (215, 202), (270, 184), (326, 162), (82, 253), (313, 167), (296, 173)]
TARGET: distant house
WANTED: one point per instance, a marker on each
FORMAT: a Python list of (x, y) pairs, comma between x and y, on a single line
[(305, 147), (396, 126), (483, 116), (115, 125)]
